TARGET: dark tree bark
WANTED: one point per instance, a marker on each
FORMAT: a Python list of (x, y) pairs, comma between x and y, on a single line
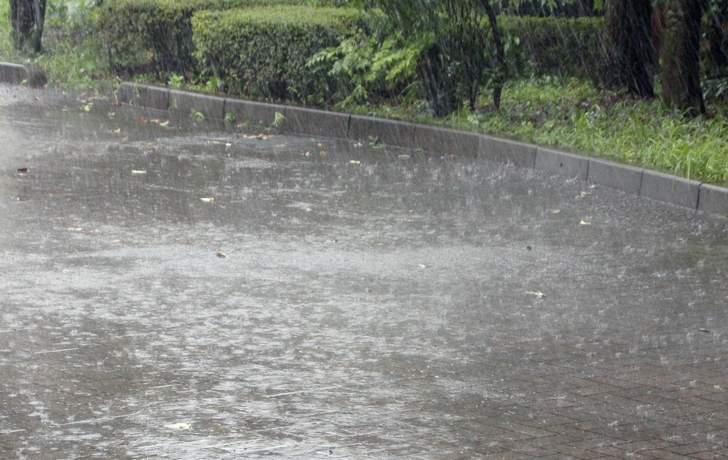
[(27, 18), (629, 45), (438, 87), (680, 56), (717, 37), (499, 52)]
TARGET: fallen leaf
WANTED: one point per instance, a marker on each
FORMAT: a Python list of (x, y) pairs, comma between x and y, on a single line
[(355, 162), (403, 157), (704, 330), (179, 426), (221, 254), (164, 124), (208, 200), (22, 171), (584, 222), (555, 211), (537, 294), (138, 172)]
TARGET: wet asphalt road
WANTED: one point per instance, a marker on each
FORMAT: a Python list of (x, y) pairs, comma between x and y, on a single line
[(191, 293)]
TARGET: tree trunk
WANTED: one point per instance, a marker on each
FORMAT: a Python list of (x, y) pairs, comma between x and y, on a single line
[(27, 18), (680, 57), (717, 39), (499, 53), (439, 89), (629, 45)]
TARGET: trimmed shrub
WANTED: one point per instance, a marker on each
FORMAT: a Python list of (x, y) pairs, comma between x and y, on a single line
[(156, 35), (262, 52), (557, 46)]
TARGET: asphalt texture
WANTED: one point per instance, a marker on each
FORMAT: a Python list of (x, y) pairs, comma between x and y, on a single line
[(171, 290)]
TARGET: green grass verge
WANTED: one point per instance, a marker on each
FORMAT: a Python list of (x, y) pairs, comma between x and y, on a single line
[(73, 57), (574, 115)]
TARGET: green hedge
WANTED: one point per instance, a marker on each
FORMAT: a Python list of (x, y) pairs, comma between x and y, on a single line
[(156, 35), (262, 52), (557, 46)]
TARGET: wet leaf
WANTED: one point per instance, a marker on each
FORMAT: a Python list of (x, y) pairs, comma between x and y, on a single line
[(179, 426)]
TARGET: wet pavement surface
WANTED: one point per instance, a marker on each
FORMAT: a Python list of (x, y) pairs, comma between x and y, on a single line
[(193, 293)]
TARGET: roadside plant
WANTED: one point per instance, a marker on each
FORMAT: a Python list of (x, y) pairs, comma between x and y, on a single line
[(197, 117), (176, 81), (230, 118), (370, 66), (453, 47)]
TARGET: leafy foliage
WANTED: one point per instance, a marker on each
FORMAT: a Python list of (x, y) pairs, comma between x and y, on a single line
[(449, 37), (367, 68), (156, 35), (378, 63), (262, 52), (556, 46)]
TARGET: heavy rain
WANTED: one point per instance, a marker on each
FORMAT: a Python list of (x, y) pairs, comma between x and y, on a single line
[(185, 286)]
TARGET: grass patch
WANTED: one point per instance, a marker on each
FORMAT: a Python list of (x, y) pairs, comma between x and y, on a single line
[(572, 114), (73, 56)]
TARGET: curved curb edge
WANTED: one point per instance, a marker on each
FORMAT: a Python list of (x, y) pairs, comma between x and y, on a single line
[(13, 74), (654, 185)]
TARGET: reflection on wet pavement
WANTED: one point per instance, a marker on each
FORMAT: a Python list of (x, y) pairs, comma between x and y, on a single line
[(169, 291)]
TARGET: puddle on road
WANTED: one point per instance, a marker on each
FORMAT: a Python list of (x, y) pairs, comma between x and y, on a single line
[(369, 304)]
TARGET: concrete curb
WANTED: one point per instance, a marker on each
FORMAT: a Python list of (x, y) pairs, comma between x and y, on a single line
[(713, 200), (561, 163), (13, 74), (316, 122), (635, 181), (615, 175), (445, 141), (376, 130), (212, 107), (670, 189)]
